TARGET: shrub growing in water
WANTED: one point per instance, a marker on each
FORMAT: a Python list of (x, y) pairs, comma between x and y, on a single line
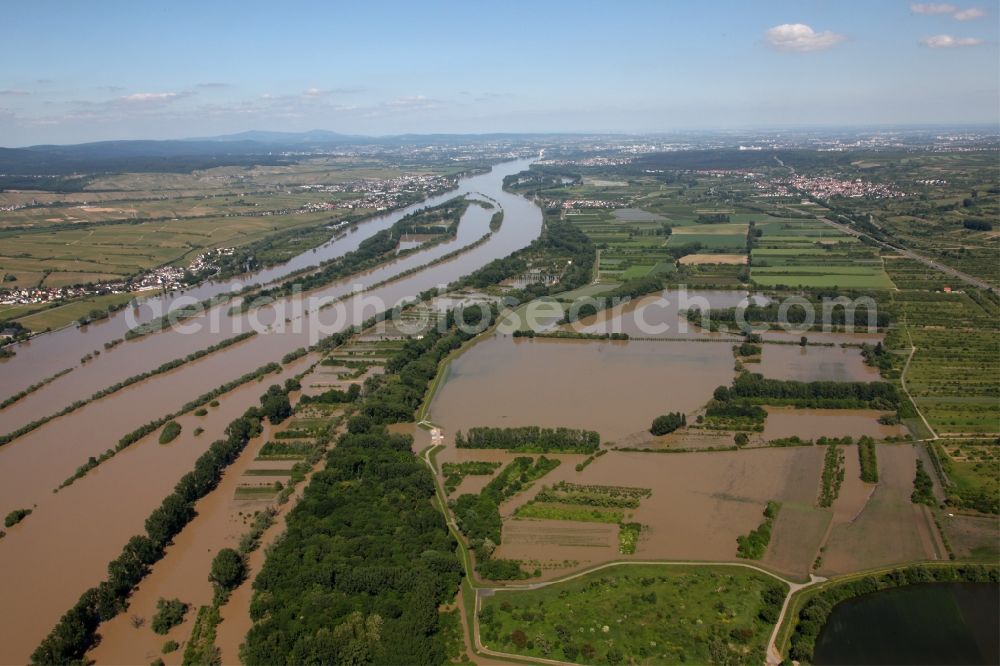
[(666, 424), (170, 432), (16, 516), (169, 613)]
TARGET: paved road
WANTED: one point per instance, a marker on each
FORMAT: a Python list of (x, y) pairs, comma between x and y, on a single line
[(948, 270)]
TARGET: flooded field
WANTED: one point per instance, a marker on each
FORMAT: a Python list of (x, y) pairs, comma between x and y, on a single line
[(223, 517), (813, 423), (796, 538), (46, 355), (615, 388), (889, 528), (700, 503), (810, 364), (657, 315), (857, 338), (64, 547), (77, 531)]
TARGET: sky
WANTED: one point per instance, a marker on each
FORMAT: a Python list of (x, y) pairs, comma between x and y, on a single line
[(86, 71)]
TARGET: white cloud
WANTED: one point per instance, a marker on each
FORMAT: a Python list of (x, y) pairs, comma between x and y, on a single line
[(939, 8), (411, 101), (314, 92), (933, 8), (14, 93), (143, 98), (801, 38), (970, 13), (949, 41)]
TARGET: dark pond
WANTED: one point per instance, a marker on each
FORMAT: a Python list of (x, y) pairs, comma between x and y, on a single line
[(938, 623)]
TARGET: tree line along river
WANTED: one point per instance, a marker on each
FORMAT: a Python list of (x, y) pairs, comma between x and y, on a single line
[(64, 546)]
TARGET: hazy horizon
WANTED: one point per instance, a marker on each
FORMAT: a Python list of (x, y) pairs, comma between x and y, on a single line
[(124, 71)]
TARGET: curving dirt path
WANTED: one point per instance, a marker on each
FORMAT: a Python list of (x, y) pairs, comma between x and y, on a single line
[(773, 655)]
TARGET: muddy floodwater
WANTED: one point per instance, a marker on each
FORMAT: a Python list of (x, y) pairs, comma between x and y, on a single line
[(812, 423), (658, 315), (615, 388), (700, 503), (811, 364), (45, 355), (887, 528), (860, 336), (63, 548)]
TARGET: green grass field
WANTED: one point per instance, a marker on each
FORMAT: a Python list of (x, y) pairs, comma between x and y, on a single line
[(710, 241), (955, 373), (637, 614), (63, 315), (547, 511), (856, 277)]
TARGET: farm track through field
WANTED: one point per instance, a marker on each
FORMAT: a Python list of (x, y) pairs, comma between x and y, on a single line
[(965, 277), (902, 382), (773, 655)]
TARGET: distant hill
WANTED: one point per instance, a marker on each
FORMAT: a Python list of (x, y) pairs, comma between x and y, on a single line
[(22, 167), (116, 156), (288, 138)]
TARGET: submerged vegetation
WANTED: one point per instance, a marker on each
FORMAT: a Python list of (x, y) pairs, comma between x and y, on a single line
[(833, 475), (75, 633), (754, 545), (169, 613), (170, 432), (530, 439), (368, 568), (868, 460), (454, 473), (819, 394), (667, 423), (114, 388), (478, 516), (16, 516)]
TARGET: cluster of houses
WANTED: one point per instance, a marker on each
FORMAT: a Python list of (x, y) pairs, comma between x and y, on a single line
[(569, 204), (164, 277), (12, 207), (590, 161), (827, 187), (380, 194), (824, 188)]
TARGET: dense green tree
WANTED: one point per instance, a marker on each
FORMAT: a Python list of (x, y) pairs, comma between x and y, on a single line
[(667, 423), (228, 569)]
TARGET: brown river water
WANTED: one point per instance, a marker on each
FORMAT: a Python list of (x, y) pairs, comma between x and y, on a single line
[(65, 545), (47, 354), (613, 387)]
